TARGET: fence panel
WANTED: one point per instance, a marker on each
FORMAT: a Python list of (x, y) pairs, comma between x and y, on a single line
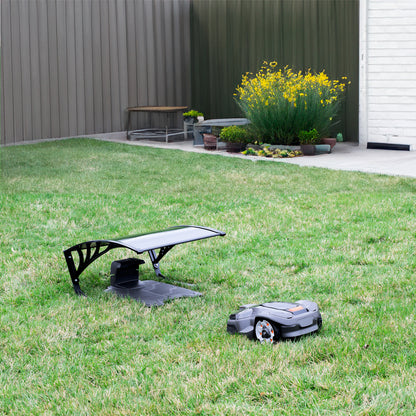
[(72, 67), (232, 37)]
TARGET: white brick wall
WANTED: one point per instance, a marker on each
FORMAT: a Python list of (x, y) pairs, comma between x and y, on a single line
[(388, 72)]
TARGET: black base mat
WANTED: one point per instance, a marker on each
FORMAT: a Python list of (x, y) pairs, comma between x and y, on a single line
[(153, 293)]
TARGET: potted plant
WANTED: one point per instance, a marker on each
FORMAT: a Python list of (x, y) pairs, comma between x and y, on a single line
[(210, 141), (235, 138), (307, 140), (191, 116), (332, 141)]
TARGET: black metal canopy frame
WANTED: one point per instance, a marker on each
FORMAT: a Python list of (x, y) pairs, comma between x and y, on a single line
[(164, 241)]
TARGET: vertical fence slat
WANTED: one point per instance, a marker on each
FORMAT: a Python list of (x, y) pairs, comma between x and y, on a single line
[(87, 56), (7, 104), (54, 117), (35, 95), (122, 46), (114, 58), (45, 85), (16, 70), (71, 68), (25, 70), (80, 75), (63, 65), (97, 66), (105, 66)]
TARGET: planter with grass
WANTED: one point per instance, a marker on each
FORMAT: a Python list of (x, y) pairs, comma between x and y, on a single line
[(332, 141), (235, 138), (308, 139), (191, 116)]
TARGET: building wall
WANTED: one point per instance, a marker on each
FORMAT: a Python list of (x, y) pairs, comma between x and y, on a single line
[(388, 72), (72, 67)]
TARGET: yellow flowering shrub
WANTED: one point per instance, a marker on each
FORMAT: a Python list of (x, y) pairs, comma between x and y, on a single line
[(280, 102)]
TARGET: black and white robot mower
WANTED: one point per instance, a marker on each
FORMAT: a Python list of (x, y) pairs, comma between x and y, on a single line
[(272, 321)]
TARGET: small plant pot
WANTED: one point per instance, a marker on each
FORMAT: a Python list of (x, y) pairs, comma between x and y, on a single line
[(322, 148), (234, 147), (210, 141), (332, 141), (307, 149)]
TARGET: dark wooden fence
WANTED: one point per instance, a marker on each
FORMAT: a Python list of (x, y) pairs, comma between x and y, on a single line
[(231, 37)]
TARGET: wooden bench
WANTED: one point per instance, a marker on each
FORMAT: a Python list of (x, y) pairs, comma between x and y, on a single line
[(150, 133), (89, 251)]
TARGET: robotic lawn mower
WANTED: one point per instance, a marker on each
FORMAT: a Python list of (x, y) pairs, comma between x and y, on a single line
[(272, 321)]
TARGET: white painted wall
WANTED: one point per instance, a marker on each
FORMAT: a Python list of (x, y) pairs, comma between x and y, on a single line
[(388, 72)]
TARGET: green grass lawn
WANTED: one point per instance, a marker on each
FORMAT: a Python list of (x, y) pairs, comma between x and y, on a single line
[(345, 240)]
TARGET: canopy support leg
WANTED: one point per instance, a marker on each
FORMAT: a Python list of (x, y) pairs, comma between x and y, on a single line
[(155, 259)]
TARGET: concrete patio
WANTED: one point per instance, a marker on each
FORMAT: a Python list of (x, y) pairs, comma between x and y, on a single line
[(345, 156)]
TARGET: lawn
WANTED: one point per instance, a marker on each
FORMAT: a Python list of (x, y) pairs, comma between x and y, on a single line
[(345, 240)]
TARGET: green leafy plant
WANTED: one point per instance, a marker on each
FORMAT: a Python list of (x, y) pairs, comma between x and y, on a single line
[(192, 114), (308, 137), (235, 134), (281, 102), (266, 150)]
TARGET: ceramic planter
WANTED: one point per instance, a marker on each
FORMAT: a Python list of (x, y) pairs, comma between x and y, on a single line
[(332, 141), (307, 149), (234, 147), (322, 148), (210, 141)]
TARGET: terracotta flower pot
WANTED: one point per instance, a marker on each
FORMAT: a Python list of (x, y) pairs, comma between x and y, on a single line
[(332, 141), (210, 141)]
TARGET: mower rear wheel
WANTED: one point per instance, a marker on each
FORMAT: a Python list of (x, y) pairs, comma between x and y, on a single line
[(266, 331)]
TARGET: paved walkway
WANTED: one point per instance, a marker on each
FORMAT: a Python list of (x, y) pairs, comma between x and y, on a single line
[(345, 156)]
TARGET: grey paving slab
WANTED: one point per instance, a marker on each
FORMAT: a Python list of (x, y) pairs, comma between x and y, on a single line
[(345, 156)]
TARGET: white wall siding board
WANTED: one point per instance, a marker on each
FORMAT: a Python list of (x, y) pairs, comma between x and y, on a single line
[(388, 5), (389, 72), (72, 67)]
